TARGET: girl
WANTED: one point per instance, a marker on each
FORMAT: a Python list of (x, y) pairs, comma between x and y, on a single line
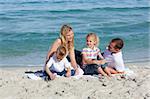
[(89, 55)]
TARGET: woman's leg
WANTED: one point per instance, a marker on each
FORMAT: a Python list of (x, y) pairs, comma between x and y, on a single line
[(78, 57)]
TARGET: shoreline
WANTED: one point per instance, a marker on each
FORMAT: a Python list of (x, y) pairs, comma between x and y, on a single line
[(146, 64), (133, 61), (15, 84)]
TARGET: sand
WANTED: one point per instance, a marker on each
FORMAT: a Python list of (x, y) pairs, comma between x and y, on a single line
[(14, 84)]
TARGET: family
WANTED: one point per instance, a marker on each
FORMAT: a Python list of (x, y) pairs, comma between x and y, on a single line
[(62, 58)]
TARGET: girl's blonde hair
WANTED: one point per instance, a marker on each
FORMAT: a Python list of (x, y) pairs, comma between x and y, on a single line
[(95, 38), (64, 30)]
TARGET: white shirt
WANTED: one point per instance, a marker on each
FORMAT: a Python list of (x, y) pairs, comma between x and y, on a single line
[(58, 66), (115, 60)]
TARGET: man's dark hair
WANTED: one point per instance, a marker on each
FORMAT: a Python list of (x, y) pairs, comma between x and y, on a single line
[(119, 43)]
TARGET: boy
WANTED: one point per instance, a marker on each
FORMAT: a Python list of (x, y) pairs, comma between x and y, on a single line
[(59, 64), (113, 55)]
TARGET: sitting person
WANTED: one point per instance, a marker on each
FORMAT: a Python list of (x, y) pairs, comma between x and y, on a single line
[(89, 56), (67, 39), (59, 64), (113, 55)]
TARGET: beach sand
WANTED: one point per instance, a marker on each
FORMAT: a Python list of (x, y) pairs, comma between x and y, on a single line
[(14, 84)]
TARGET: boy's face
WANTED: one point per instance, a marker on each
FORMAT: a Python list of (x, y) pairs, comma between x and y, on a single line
[(90, 42), (112, 48), (59, 58)]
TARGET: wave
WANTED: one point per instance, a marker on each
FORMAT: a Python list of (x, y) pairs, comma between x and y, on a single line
[(101, 8), (98, 8), (24, 2), (144, 24), (7, 18), (144, 60), (26, 36), (43, 1), (47, 10), (75, 10), (121, 8)]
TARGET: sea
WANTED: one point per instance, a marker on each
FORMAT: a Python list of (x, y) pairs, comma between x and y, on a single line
[(28, 28)]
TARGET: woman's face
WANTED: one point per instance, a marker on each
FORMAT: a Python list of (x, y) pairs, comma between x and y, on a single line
[(69, 35)]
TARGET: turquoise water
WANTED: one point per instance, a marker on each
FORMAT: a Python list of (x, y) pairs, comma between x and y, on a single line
[(29, 27)]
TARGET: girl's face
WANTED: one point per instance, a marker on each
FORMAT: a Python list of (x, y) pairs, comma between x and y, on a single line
[(112, 48), (69, 35), (90, 42)]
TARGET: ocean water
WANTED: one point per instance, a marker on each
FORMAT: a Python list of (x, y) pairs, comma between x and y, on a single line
[(29, 27)]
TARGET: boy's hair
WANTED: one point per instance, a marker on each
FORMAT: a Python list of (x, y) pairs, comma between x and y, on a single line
[(96, 38), (61, 50), (119, 43)]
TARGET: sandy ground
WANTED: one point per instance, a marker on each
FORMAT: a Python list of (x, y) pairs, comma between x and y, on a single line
[(14, 84)]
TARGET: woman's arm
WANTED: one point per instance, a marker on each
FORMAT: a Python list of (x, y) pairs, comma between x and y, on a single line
[(73, 61), (54, 47), (72, 58)]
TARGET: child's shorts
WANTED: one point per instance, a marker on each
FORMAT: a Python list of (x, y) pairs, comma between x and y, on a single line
[(90, 69), (104, 65)]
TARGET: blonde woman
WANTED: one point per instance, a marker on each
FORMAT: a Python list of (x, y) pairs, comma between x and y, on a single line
[(66, 39)]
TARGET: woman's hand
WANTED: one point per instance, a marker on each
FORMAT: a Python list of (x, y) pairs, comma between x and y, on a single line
[(77, 71)]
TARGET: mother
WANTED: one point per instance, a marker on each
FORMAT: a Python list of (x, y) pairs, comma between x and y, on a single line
[(66, 39)]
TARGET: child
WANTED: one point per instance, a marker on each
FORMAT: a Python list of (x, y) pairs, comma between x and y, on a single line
[(90, 63), (59, 64), (114, 54)]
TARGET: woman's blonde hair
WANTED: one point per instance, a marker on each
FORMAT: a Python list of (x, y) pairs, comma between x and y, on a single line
[(64, 30), (95, 38)]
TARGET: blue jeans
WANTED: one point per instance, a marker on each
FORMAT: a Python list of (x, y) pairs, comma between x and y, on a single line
[(63, 73), (46, 77)]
